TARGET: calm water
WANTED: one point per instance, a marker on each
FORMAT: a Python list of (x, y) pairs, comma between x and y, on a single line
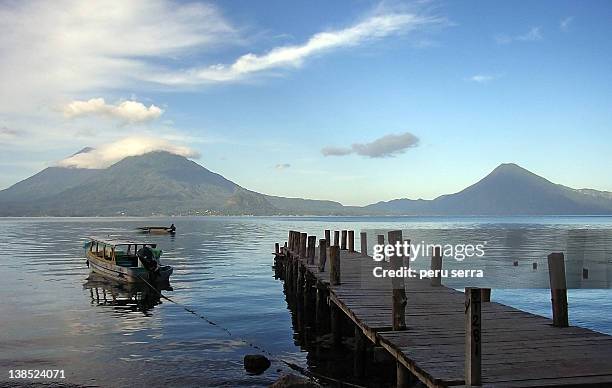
[(53, 317)]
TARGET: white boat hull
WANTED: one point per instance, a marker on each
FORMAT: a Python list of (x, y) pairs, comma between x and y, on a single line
[(125, 274)]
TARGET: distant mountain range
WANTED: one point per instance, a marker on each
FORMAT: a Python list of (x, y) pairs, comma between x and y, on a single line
[(161, 183), (507, 190)]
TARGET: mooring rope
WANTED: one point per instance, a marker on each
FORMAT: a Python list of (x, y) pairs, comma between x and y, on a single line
[(252, 345)]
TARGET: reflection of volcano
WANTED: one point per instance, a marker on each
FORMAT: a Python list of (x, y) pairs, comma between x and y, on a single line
[(123, 297)]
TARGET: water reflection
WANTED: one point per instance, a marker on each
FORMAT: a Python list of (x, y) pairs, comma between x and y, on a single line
[(51, 315), (123, 297)]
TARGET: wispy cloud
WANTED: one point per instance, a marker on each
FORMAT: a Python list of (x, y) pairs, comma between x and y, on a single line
[(52, 55), (534, 34), (481, 78), (386, 146), (564, 24), (282, 166), (336, 151), (69, 47), (125, 111), (370, 29), (108, 154), (8, 134)]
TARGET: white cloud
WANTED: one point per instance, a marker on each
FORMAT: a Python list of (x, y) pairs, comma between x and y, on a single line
[(534, 34), (282, 166), (108, 154), (564, 24), (481, 78), (67, 47), (55, 53), (372, 28), (386, 146), (126, 111)]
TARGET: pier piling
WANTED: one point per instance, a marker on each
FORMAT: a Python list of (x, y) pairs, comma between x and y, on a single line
[(399, 291), (303, 240), (312, 241), (321, 309), (403, 376), (359, 360), (558, 289), (436, 266), (486, 294), (351, 241), (473, 337), (336, 324), (327, 237), (363, 239), (322, 255), (444, 325), (334, 265), (343, 243)]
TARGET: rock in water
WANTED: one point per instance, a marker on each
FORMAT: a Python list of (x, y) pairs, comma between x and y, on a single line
[(256, 363), (293, 381)]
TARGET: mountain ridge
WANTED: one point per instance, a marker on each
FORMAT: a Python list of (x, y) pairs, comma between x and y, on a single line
[(161, 183)]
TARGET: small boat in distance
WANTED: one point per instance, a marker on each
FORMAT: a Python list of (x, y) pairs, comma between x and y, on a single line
[(158, 229), (126, 260)]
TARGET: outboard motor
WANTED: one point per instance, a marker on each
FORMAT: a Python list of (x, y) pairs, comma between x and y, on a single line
[(147, 258)]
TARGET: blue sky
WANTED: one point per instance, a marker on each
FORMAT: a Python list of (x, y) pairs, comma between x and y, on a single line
[(478, 83)]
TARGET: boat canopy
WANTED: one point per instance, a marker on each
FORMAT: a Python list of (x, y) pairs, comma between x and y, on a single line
[(110, 241)]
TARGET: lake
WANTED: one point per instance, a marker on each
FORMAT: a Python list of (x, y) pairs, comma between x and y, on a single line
[(53, 317)]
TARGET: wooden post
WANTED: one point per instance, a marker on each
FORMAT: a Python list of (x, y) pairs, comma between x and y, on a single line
[(309, 299), (359, 355), (336, 237), (312, 242), (302, 250), (436, 265), (402, 376), (486, 294), (363, 239), (336, 323), (334, 265), (380, 239), (321, 310), (296, 243), (473, 337), (558, 289), (327, 237), (351, 241), (322, 255), (399, 292), (343, 243), (287, 270), (276, 248), (287, 257), (299, 284)]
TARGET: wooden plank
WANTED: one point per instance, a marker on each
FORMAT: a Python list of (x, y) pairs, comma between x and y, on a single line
[(519, 348)]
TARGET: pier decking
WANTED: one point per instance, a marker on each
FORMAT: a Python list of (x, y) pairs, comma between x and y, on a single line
[(518, 349)]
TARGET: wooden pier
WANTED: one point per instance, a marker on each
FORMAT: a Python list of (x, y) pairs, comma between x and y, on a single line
[(438, 336)]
